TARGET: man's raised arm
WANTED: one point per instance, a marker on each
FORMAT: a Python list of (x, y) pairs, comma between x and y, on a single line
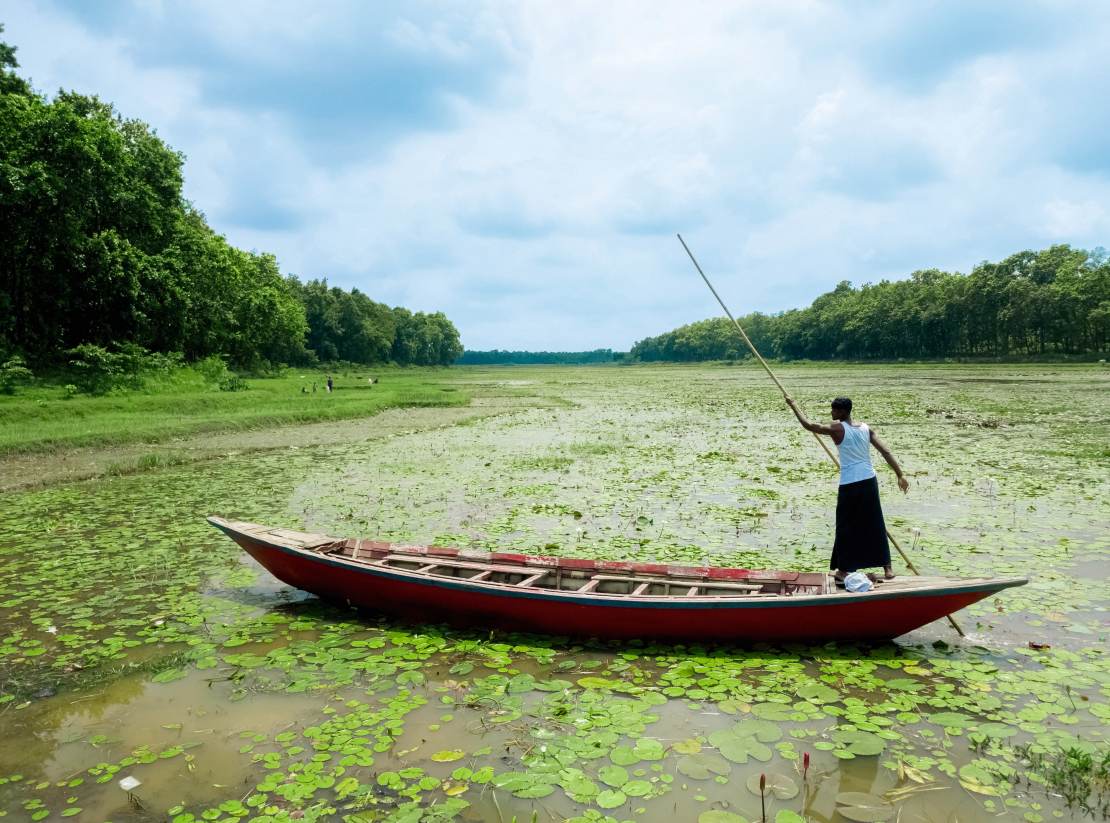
[(819, 428)]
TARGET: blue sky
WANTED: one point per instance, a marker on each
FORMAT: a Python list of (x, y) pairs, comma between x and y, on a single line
[(524, 167)]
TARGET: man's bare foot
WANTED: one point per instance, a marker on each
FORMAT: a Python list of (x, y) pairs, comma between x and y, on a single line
[(888, 573), (839, 576)]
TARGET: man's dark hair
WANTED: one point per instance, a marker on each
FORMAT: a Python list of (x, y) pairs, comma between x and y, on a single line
[(843, 403)]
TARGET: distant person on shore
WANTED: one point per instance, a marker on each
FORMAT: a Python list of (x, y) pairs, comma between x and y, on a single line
[(329, 384), (314, 387), (860, 528)]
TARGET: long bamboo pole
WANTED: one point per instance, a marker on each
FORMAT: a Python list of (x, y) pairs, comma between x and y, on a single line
[(771, 374)]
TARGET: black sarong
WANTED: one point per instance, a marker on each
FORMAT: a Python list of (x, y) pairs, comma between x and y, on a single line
[(860, 529)]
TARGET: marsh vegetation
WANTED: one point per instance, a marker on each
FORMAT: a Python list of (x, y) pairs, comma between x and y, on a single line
[(138, 642)]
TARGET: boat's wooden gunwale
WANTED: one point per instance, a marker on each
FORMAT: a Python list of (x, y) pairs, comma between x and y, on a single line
[(690, 584), (541, 572), (677, 600), (920, 586), (915, 583)]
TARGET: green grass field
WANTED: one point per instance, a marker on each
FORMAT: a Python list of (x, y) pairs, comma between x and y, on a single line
[(41, 418)]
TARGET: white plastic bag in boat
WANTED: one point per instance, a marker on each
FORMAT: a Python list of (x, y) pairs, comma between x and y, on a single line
[(857, 582)]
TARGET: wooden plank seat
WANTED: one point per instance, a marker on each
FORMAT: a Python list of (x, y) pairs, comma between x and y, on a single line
[(670, 581), (531, 576), (419, 560), (528, 581)]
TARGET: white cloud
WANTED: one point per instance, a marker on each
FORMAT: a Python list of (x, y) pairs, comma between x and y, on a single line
[(1063, 219), (524, 167)]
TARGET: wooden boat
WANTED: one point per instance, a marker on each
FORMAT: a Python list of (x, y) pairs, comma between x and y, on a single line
[(599, 598)]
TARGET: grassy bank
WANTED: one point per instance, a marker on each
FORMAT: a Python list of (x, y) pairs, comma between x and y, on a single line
[(41, 417)]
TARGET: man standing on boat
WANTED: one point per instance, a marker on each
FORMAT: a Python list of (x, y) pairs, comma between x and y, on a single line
[(860, 529)]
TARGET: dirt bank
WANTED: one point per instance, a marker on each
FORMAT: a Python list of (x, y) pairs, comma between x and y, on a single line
[(26, 471)]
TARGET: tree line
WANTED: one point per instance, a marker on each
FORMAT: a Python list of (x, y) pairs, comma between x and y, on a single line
[(101, 249), (350, 326), (547, 358), (1054, 301)]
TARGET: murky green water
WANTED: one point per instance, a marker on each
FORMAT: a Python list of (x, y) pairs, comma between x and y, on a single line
[(137, 642)]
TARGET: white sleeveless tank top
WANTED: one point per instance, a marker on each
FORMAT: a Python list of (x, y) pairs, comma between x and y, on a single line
[(855, 454)]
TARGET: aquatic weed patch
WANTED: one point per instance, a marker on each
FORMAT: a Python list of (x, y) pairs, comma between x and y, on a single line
[(599, 724), (120, 588)]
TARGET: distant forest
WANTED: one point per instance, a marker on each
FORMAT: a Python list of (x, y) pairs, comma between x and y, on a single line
[(1055, 301), (537, 358), (100, 248)]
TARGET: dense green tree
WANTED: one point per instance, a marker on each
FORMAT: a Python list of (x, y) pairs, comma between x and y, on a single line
[(425, 339), (350, 326), (482, 358), (346, 325), (1032, 303), (7, 53), (100, 249), (10, 82)]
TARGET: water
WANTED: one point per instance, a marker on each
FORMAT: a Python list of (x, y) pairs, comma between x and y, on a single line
[(135, 633)]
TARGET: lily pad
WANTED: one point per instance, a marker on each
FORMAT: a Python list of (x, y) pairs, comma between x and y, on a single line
[(613, 776), (447, 757), (610, 799), (169, 675), (578, 784), (778, 784), (739, 749), (700, 766), (687, 746), (859, 742), (761, 730), (535, 790), (818, 693), (952, 719), (552, 685), (524, 784), (974, 773), (598, 683), (719, 816), (998, 731), (771, 711), (623, 756), (864, 808), (906, 684), (648, 748)]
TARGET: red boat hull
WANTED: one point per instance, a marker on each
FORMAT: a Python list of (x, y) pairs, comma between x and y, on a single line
[(871, 616)]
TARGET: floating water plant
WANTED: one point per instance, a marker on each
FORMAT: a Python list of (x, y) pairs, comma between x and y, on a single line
[(118, 594)]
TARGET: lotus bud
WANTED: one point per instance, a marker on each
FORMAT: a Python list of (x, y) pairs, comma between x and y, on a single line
[(763, 797)]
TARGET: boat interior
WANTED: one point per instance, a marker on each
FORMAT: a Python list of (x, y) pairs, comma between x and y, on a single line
[(579, 576)]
